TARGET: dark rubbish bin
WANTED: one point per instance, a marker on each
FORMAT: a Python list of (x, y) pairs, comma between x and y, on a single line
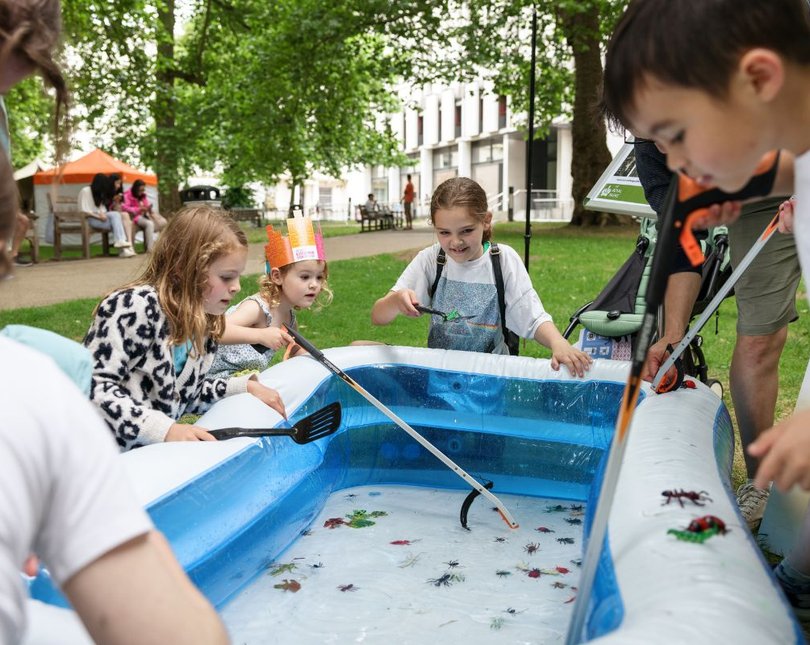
[(196, 195)]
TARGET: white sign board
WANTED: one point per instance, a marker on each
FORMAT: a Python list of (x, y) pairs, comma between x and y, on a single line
[(619, 189)]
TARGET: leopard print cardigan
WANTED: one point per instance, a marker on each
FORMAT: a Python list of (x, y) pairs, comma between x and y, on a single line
[(134, 382)]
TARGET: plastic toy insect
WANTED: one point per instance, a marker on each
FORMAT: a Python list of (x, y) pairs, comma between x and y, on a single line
[(452, 564), (500, 539), (534, 573), (565, 540), (543, 529), (288, 585), (349, 587), (531, 548), (557, 508), (503, 574), (559, 585), (697, 498), (701, 529), (445, 580), (573, 521)]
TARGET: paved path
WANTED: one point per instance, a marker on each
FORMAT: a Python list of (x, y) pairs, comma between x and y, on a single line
[(51, 282)]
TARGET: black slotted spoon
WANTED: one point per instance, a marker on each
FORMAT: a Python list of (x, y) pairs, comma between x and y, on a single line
[(317, 425)]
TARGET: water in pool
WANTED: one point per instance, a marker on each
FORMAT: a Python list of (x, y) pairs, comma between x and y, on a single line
[(392, 564)]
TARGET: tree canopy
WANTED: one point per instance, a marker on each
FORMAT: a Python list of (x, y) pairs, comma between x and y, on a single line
[(256, 90)]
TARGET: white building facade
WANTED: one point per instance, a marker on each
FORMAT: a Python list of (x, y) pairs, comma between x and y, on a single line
[(447, 131)]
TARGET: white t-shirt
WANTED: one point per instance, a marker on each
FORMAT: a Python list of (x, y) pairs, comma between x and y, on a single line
[(86, 203), (469, 289), (801, 220), (63, 495)]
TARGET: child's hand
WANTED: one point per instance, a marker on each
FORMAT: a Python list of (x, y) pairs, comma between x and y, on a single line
[(186, 432), (405, 300), (273, 337), (786, 215), (268, 396), (785, 453), (577, 361)]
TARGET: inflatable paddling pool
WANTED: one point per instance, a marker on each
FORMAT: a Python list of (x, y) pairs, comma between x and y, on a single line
[(234, 510)]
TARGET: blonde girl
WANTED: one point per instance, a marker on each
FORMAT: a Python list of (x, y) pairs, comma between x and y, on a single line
[(467, 287), (257, 320), (153, 341)]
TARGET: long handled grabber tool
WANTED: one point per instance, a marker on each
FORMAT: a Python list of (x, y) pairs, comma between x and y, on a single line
[(685, 201), (316, 426), (319, 356), (663, 383)]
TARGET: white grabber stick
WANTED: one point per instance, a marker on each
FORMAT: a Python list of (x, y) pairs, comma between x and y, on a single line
[(458, 470)]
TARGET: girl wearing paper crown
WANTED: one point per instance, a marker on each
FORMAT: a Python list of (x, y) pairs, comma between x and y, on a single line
[(296, 274)]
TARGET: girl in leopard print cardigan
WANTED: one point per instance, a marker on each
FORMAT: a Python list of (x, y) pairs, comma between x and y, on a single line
[(153, 341)]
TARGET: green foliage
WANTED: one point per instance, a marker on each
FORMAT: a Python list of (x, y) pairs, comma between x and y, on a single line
[(238, 197), (30, 120)]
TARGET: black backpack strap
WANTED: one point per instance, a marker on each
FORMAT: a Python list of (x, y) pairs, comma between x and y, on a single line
[(495, 256), (441, 260)]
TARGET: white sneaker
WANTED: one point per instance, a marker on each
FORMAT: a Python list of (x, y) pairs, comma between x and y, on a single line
[(120, 244), (127, 252), (752, 501)]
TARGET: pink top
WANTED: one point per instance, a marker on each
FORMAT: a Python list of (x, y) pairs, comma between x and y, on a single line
[(132, 204)]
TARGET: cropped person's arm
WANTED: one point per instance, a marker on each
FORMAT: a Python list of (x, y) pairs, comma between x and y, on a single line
[(246, 326), (562, 352), (168, 608), (392, 304), (679, 301)]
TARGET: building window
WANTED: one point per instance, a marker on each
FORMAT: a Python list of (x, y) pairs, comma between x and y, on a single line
[(487, 151), (379, 184), (325, 197), (420, 130), (458, 120), (501, 112), (445, 158)]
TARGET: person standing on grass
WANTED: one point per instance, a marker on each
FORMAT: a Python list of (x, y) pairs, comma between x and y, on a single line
[(467, 284), (407, 199)]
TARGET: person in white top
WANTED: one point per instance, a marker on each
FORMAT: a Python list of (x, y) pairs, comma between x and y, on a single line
[(94, 199), (467, 290), (63, 495)]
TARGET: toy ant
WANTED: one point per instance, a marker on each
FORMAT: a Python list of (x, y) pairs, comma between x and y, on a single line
[(696, 498), (565, 540)]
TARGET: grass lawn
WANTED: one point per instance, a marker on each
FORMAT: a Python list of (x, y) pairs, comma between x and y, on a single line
[(568, 268), (329, 229)]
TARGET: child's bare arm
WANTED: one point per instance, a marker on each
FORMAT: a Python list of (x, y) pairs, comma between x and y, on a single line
[(242, 325), (784, 453), (562, 352), (392, 304)]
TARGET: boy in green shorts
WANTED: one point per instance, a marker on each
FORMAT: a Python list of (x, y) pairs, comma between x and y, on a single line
[(717, 84)]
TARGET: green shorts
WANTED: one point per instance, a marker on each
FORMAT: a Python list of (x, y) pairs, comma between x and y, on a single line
[(766, 292)]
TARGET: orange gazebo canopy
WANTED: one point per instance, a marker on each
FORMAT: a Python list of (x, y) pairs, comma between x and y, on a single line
[(82, 170)]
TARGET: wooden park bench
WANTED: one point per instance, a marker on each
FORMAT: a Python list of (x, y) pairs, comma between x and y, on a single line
[(374, 221), (68, 219), (254, 215)]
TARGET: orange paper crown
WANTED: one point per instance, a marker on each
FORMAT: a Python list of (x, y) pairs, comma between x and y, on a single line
[(301, 243)]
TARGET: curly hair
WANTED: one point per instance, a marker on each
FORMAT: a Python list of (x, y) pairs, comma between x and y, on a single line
[(271, 292), (195, 237)]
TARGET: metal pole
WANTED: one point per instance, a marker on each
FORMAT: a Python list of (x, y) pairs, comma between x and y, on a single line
[(527, 236)]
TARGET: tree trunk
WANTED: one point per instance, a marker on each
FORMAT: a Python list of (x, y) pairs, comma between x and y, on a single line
[(164, 111), (590, 152)]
